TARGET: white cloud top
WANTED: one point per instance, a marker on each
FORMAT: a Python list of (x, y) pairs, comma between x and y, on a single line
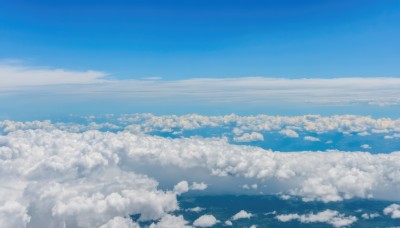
[(205, 221), (64, 174), (393, 211), (245, 90), (242, 215), (328, 216)]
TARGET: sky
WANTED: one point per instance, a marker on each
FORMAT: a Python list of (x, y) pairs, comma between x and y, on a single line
[(186, 39), (61, 57), (189, 114)]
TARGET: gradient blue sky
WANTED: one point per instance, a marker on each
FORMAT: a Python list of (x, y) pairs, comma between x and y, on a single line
[(186, 39)]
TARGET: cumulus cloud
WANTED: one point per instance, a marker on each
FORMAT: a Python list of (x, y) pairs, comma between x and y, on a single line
[(205, 221), (249, 137), (228, 223), (88, 179), (328, 216), (242, 215), (120, 222), (311, 138), (169, 221), (365, 146), (370, 216), (198, 186), (181, 187), (393, 211), (326, 176), (289, 133), (195, 209)]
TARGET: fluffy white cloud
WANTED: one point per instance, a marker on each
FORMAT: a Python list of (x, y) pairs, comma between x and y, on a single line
[(289, 133), (365, 146), (198, 186), (241, 215), (311, 138), (120, 222), (13, 214), (249, 137), (171, 221), (205, 221), (228, 223), (181, 187), (393, 211), (88, 178), (328, 216), (370, 216), (195, 209)]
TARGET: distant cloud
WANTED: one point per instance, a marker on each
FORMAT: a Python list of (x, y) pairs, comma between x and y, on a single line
[(393, 211), (205, 221), (16, 76), (242, 215), (244, 90), (328, 216), (311, 138)]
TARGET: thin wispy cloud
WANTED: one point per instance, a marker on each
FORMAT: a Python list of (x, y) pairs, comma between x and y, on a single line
[(18, 79)]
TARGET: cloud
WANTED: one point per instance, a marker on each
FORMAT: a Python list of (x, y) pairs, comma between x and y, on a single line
[(14, 76), (120, 222), (205, 221), (195, 209), (365, 146), (89, 177), (242, 215), (328, 216), (249, 137), (311, 139), (370, 216), (393, 211), (198, 186), (169, 221), (289, 133), (181, 187), (325, 176), (245, 90)]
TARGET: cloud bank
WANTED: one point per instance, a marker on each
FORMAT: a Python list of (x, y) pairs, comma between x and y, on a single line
[(245, 90)]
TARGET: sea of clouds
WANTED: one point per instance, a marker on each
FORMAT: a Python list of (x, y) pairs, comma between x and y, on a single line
[(96, 174)]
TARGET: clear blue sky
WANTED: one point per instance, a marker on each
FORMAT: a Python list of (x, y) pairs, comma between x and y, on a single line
[(193, 38)]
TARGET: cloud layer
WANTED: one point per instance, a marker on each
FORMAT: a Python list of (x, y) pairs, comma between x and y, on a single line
[(245, 90)]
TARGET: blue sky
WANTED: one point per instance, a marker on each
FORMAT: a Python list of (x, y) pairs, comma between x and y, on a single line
[(186, 39), (63, 57)]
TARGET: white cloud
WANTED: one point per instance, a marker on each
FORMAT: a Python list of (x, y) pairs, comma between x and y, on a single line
[(13, 214), (249, 137), (198, 186), (205, 221), (311, 138), (120, 222), (370, 216), (88, 178), (181, 187), (393, 210), (195, 209), (365, 146), (14, 76), (289, 133), (328, 216), (171, 221), (242, 215), (245, 90), (228, 223)]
